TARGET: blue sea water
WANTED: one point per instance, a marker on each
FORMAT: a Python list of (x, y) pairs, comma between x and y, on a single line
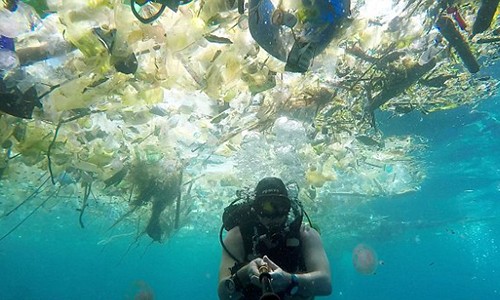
[(441, 243)]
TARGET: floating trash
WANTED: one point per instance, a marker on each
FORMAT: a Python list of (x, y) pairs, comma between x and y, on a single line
[(94, 101)]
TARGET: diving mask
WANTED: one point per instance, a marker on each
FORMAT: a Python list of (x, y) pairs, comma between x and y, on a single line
[(272, 207)]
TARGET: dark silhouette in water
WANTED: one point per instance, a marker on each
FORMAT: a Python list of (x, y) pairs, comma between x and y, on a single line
[(153, 186), (17, 103)]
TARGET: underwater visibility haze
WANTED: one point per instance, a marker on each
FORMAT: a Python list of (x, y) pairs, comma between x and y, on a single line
[(126, 128)]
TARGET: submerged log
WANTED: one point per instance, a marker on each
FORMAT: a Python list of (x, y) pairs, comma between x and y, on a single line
[(485, 15), (397, 86), (456, 40)]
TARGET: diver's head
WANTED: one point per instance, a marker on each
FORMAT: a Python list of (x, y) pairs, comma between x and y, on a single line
[(271, 203)]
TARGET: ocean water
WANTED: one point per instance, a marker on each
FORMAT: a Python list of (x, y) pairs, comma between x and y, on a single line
[(440, 242)]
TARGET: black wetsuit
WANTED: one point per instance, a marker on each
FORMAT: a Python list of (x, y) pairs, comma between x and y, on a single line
[(284, 249)]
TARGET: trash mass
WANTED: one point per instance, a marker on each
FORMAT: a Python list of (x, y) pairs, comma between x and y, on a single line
[(159, 111)]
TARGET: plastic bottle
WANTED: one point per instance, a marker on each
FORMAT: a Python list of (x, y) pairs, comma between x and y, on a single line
[(15, 18), (8, 57)]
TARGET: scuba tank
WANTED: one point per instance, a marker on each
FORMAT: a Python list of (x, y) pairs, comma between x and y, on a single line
[(240, 212), (234, 213)]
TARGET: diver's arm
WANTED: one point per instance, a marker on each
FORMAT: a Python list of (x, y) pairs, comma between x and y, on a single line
[(234, 243), (317, 281), (246, 275)]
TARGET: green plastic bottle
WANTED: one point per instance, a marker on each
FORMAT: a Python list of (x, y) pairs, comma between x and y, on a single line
[(39, 5)]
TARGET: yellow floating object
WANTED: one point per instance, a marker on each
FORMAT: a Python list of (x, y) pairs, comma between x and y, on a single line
[(86, 41), (87, 166), (149, 96), (317, 178), (97, 3)]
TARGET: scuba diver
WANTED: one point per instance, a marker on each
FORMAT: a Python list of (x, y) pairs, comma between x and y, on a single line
[(267, 252), (314, 25)]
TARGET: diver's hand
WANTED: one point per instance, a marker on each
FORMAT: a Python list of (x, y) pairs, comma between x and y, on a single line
[(251, 271), (280, 278)]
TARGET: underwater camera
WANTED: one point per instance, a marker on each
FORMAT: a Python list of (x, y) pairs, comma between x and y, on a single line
[(265, 280)]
